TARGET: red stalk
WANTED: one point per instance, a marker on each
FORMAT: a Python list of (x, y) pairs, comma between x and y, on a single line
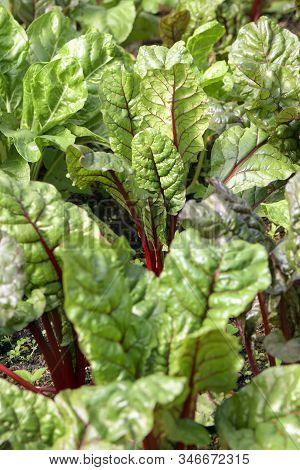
[(19, 380), (145, 243), (251, 358), (48, 355), (80, 363), (265, 319), (149, 443), (256, 9), (65, 351), (248, 347)]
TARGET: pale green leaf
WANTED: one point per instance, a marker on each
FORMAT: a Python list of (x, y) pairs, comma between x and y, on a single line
[(47, 34)]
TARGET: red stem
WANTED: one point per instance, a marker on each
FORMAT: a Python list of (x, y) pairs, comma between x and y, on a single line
[(256, 9), (65, 351), (19, 380), (265, 319), (145, 243), (80, 363), (48, 355), (149, 443), (251, 358)]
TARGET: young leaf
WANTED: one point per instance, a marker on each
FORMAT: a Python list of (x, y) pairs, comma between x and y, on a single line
[(57, 91), (117, 20), (264, 415), (201, 43), (173, 26), (47, 34), (159, 168), (242, 159)]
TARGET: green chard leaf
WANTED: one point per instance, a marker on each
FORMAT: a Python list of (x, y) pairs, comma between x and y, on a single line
[(117, 20), (47, 34), (159, 168), (125, 411), (52, 93), (13, 42), (221, 280), (93, 50), (31, 421), (119, 91), (112, 338), (39, 220), (264, 415), (265, 62), (243, 158), (171, 98), (201, 43)]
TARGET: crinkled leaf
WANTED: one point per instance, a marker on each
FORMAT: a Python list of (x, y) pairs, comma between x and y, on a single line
[(265, 60), (31, 421), (125, 411), (99, 304), (35, 215), (86, 167), (56, 92), (47, 34), (264, 415), (159, 168), (173, 102), (264, 42), (119, 90), (210, 284), (242, 158)]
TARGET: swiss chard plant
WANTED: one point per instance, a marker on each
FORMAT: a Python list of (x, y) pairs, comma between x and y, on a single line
[(137, 345)]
